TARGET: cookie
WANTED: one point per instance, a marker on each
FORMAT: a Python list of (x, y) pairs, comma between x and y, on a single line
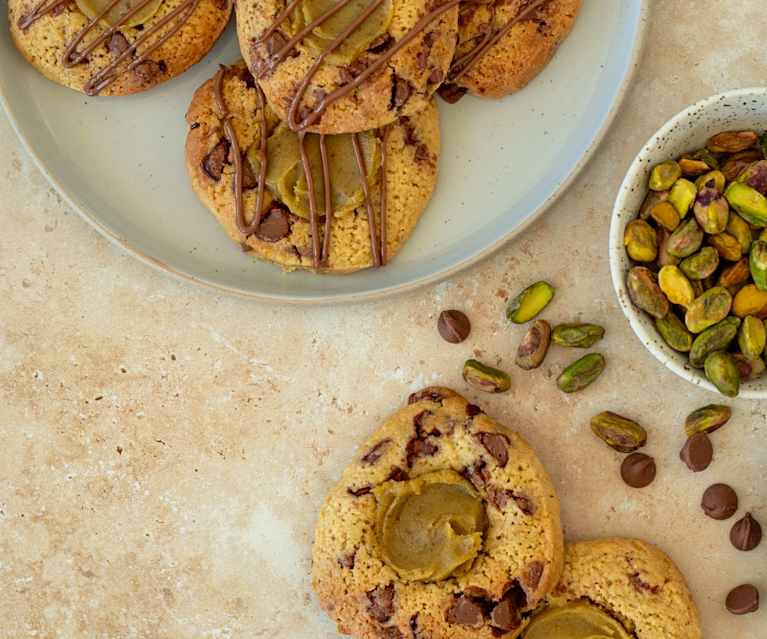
[(445, 526), (360, 68), (132, 47), (624, 584), (372, 216), (503, 45)]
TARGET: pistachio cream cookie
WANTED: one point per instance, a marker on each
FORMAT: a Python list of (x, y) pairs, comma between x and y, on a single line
[(115, 47), (340, 67), (617, 589), (503, 44), (445, 527), (270, 187)]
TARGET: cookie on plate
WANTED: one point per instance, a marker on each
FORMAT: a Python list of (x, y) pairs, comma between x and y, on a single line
[(503, 45), (360, 68), (446, 526), (621, 589), (100, 49), (379, 181)]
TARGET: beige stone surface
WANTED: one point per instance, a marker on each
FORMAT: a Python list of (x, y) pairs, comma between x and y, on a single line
[(164, 450)]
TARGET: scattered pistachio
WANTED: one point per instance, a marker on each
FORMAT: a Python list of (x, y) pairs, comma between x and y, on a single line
[(663, 175), (577, 335), (702, 264), (757, 262), (727, 246), (531, 301), (485, 378), (749, 300), (693, 167), (707, 419), (645, 292), (686, 239), (682, 196), (620, 433), (741, 231), (708, 309), (712, 180), (748, 202), (641, 241), (666, 215), (749, 369), (732, 141), (715, 338), (534, 345), (581, 373), (676, 286)]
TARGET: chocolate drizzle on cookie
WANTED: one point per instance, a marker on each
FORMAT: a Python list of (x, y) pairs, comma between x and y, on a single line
[(300, 118), (461, 65), (320, 250), (105, 76)]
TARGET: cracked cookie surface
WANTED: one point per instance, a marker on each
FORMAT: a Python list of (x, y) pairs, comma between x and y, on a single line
[(402, 86), (521, 555), (412, 151), (521, 54), (633, 581), (44, 43)]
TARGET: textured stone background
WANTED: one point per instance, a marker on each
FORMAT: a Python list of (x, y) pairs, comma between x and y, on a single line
[(164, 450)]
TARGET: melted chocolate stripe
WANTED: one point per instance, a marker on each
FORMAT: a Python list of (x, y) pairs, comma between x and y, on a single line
[(374, 248), (325, 254), (382, 212), (110, 73), (281, 17), (38, 12), (263, 163), (312, 200), (72, 57), (383, 59), (469, 59)]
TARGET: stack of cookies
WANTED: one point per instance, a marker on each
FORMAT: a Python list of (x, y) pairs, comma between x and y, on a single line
[(319, 149), (447, 527)]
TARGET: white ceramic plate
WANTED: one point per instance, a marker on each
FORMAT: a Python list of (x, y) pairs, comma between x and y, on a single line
[(686, 131), (119, 162)]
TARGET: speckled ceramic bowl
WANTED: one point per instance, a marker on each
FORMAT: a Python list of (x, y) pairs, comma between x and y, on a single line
[(686, 131)]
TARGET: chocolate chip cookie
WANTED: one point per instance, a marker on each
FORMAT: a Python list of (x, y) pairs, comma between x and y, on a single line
[(503, 45), (618, 588), (270, 187), (445, 526), (101, 47), (328, 68)]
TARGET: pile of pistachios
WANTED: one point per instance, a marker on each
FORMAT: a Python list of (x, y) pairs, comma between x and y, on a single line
[(699, 247), (532, 350)]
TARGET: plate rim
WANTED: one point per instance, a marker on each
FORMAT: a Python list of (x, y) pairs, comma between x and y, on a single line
[(365, 296)]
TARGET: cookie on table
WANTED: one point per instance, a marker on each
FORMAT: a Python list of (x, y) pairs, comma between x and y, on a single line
[(502, 46), (401, 160), (317, 80), (133, 47), (446, 526), (625, 585)]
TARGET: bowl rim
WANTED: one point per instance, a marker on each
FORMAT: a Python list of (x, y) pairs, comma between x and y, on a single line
[(616, 251)]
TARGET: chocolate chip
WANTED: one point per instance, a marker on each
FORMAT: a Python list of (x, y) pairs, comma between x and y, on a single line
[(419, 423), (451, 93), (743, 600), (638, 470), (477, 474), (391, 632), (401, 92), (347, 560), (194, 125), (475, 592), (415, 628), (381, 606), (532, 576), (465, 612), (381, 43), (746, 533), (719, 501), (524, 504), (375, 453), (422, 59), (147, 71), (473, 410), (118, 43), (497, 445), (436, 76), (247, 77), (359, 492), (249, 180), (640, 585), (697, 452), (397, 474), (214, 162), (498, 497), (430, 394), (505, 616), (418, 447), (274, 226), (453, 326)]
